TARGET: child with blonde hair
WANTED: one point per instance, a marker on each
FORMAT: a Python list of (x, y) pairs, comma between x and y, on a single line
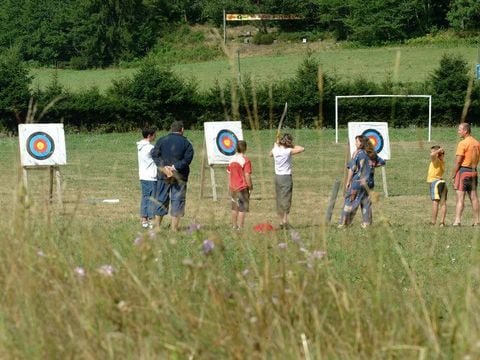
[(438, 187)]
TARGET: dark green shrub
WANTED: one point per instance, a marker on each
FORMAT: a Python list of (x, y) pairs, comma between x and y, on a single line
[(78, 63), (263, 38), (448, 85), (157, 96), (14, 88)]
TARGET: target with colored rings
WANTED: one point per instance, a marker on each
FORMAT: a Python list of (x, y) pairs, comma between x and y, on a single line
[(226, 142), (375, 138), (40, 145)]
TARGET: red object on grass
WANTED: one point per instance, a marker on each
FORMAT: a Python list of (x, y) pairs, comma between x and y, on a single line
[(263, 227)]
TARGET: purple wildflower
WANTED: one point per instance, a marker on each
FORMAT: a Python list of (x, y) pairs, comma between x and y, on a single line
[(138, 240), (106, 270), (193, 227), (295, 236), (282, 245), (152, 234), (207, 247)]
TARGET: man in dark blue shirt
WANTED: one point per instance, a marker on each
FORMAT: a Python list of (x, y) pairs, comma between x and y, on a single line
[(172, 154)]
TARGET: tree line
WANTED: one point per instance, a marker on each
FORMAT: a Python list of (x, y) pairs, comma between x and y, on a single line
[(98, 33), (157, 96)]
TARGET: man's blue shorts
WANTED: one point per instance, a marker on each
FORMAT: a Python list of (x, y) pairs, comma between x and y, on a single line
[(171, 193)]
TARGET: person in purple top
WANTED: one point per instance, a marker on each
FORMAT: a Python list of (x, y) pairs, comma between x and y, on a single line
[(172, 154)]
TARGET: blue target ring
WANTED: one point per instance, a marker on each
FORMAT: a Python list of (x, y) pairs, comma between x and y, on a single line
[(40, 145), (227, 142), (375, 138)]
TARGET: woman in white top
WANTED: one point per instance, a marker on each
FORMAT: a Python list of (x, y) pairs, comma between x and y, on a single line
[(282, 153)]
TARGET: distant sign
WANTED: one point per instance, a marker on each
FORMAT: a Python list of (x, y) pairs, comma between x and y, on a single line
[(478, 71), (256, 17)]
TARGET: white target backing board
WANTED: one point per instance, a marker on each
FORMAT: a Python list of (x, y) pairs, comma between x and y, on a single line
[(42, 144), (377, 132), (221, 139)]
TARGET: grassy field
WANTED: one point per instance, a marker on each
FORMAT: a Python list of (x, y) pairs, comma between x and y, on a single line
[(377, 64), (82, 280)]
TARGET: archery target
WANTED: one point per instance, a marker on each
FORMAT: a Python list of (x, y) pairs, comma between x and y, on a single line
[(42, 144), (221, 138), (377, 132), (375, 138), (226, 142)]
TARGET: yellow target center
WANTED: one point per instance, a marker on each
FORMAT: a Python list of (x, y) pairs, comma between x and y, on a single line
[(227, 142), (41, 146)]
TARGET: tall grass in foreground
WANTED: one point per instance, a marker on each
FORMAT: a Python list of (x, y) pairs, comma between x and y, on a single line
[(73, 289)]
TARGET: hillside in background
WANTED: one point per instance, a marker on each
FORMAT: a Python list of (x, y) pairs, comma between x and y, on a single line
[(197, 53)]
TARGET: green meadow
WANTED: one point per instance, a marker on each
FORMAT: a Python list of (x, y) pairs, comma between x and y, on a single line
[(415, 63), (81, 279)]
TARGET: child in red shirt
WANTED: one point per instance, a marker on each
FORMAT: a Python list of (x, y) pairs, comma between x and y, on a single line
[(240, 184)]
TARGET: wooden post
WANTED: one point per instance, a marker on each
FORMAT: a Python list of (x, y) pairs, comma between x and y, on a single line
[(58, 177), (25, 177), (50, 187), (331, 202), (202, 169), (214, 184), (384, 180)]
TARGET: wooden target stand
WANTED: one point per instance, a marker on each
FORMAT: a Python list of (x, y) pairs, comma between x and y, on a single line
[(211, 167), (54, 173)]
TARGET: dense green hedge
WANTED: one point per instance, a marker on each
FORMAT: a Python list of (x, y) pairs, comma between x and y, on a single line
[(156, 96)]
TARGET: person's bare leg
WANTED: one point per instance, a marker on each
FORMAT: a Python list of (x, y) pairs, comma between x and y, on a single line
[(174, 224), (459, 206), (241, 219), (158, 221), (443, 211), (434, 211), (234, 218), (474, 200)]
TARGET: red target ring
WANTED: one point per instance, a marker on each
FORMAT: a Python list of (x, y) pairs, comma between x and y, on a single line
[(227, 142), (40, 145)]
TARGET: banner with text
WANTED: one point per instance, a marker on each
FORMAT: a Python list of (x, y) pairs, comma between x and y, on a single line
[(256, 17)]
